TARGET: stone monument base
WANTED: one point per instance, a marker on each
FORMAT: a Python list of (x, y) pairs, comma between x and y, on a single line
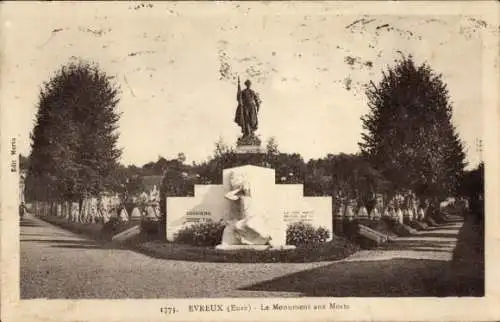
[(278, 205), (249, 144), (250, 149), (243, 158), (254, 247)]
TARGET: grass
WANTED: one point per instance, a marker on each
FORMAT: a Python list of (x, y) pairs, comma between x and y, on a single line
[(96, 231), (336, 249), (465, 275), (398, 277), (468, 259), (91, 230)]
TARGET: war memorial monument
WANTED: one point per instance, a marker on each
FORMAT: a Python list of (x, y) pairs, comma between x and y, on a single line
[(255, 210)]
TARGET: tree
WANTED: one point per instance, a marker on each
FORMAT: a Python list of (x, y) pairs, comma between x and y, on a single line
[(409, 134), (344, 177), (272, 145), (24, 162), (472, 187), (181, 157), (221, 148), (74, 141), (289, 168), (178, 181)]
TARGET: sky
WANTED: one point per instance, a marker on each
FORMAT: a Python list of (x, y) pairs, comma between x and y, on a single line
[(176, 66)]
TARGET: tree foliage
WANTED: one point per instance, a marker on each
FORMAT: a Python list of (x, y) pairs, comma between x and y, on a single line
[(348, 175), (272, 145), (409, 134), (472, 187), (24, 162), (73, 143)]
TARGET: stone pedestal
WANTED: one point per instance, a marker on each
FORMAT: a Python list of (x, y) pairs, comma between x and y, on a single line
[(242, 158), (362, 213), (375, 214), (399, 216), (249, 149), (349, 213), (136, 214), (249, 144), (250, 152)]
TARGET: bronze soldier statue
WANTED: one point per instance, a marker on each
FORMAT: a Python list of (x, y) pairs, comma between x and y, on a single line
[(247, 110)]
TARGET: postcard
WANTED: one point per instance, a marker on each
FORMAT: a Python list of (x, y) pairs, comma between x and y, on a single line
[(249, 161)]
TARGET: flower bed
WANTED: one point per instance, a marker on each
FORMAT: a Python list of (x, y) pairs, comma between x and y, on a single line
[(303, 234), (336, 249)]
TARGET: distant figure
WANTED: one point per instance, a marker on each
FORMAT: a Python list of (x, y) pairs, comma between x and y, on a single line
[(22, 209), (247, 110)]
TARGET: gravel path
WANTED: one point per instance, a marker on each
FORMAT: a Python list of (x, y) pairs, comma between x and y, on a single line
[(59, 264), (437, 243)]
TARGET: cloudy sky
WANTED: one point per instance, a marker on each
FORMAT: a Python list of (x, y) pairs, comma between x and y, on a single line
[(176, 66)]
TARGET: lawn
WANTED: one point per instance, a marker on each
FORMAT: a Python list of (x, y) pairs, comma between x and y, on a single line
[(468, 259), (336, 249), (96, 231), (93, 230)]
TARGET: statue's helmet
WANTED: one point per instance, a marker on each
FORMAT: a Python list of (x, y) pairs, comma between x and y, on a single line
[(248, 82)]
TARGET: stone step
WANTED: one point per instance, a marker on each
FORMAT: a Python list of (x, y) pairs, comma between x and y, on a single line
[(371, 234), (127, 234)]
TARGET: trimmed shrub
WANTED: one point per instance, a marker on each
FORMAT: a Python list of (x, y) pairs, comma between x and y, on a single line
[(201, 234), (210, 234), (299, 234), (150, 227), (112, 227)]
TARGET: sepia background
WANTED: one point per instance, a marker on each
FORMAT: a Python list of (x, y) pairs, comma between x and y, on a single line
[(179, 95), (310, 69)]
